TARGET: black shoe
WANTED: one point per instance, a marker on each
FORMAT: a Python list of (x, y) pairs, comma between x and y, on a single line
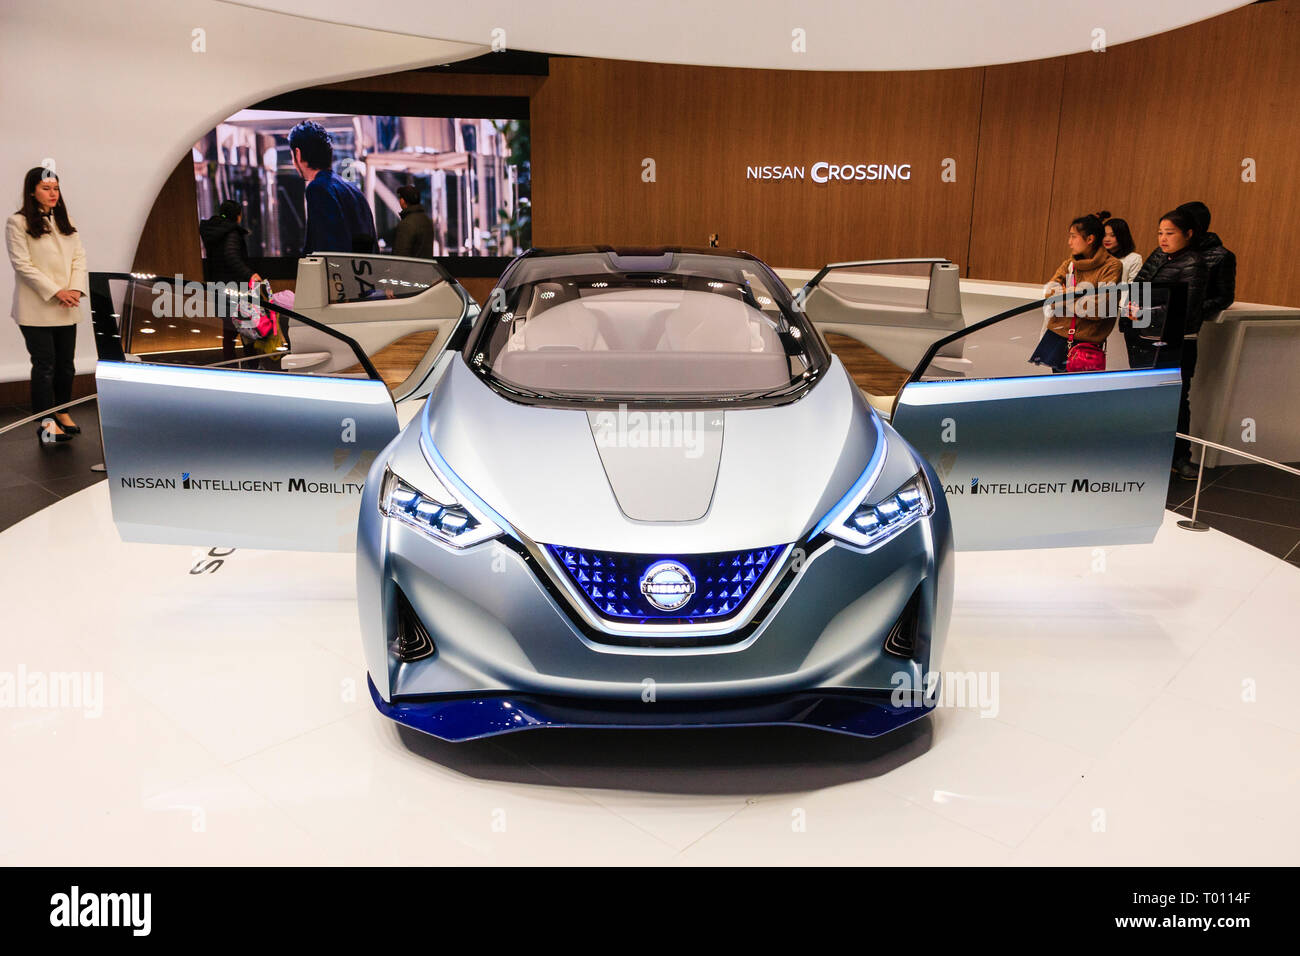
[(1185, 469), (70, 429), (48, 437)]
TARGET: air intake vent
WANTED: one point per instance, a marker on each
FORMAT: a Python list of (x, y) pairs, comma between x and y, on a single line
[(902, 636), (413, 641)]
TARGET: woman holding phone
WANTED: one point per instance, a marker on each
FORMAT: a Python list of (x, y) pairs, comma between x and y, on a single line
[(1078, 322), (49, 282)]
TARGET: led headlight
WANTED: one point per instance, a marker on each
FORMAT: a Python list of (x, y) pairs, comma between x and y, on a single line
[(435, 511), (870, 524)]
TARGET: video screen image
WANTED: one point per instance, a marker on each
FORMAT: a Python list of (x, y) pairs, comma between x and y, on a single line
[(473, 176)]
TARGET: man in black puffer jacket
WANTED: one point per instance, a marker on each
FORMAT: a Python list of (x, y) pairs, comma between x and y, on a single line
[(1220, 290), (1220, 263)]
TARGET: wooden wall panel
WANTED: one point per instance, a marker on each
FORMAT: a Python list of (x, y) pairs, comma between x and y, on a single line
[(1161, 121), (594, 121), (170, 241), (1019, 113)]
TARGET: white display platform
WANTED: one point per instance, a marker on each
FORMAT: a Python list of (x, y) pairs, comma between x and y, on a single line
[(236, 727)]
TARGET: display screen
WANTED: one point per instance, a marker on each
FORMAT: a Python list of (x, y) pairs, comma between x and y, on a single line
[(473, 176)]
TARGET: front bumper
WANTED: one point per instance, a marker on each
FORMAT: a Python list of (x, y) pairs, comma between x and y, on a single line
[(510, 653), (460, 718)]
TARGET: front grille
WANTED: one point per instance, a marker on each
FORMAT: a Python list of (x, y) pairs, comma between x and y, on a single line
[(624, 587)]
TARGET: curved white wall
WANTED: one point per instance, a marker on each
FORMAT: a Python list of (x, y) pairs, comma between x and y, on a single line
[(114, 93), (838, 34)]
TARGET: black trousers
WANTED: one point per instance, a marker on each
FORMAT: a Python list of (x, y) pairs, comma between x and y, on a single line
[(51, 348), (1142, 354), (1182, 447)]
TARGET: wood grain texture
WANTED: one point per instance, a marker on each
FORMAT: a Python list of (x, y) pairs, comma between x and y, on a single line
[(169, 243), (478, 288), (396, 361), (1169, 119), (596, 121), (1018, 135), (869, 369)]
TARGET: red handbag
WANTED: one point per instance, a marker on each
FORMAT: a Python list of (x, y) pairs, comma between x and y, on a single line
[(1083, 356)]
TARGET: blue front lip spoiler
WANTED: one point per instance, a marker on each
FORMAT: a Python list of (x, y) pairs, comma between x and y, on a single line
[(456, 719)]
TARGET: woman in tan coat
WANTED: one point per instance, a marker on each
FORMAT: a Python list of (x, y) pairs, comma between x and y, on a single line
[(49, 281), (1089, 263)]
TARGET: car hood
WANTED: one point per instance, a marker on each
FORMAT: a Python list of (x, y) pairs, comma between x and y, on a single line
[(675, 483)]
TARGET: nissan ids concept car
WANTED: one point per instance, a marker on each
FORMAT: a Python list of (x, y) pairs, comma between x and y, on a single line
[(638, 488)]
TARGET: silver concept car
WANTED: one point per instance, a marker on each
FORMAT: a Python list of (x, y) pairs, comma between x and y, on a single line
[(637, 488)]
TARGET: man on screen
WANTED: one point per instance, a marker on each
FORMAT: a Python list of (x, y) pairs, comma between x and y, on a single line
[(414, 236), (338, 217)]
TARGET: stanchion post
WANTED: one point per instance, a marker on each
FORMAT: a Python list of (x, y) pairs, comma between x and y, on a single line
[(1193, 524)]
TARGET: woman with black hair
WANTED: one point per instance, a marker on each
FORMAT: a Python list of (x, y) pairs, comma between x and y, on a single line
[(50, 279), (1118, 241), (1078, 321), (1160, 341), (223, 241)]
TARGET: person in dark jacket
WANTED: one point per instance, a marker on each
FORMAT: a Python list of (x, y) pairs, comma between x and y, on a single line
[(415, 232), (1220, 290), (223, 243), (1220, 263), (338, 216), (227, 261), (1175, 261)]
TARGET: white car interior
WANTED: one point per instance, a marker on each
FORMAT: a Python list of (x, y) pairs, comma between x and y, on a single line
[(409, 297), (677, 340), (896, 307)]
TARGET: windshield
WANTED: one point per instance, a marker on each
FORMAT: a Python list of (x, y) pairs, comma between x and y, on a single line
[(663, 326)]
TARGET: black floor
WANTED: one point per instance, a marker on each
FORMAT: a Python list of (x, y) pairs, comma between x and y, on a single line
[(1254, 503), (33, 475)]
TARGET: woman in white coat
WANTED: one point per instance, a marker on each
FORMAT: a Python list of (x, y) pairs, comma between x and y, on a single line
[(1118, 241), (49, 281)]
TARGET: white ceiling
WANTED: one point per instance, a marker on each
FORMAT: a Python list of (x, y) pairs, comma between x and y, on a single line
[(840, 34)]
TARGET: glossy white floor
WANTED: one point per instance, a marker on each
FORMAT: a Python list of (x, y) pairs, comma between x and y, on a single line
[(236, 728)]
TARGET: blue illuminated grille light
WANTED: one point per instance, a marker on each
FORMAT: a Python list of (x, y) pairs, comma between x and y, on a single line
[(611, 581)]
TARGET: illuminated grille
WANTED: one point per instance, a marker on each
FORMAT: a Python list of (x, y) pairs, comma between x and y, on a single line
[(614, 583)]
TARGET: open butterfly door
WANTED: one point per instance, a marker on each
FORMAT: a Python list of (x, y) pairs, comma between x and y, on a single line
[(215, 436), (1027, 458), (402, 307)]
